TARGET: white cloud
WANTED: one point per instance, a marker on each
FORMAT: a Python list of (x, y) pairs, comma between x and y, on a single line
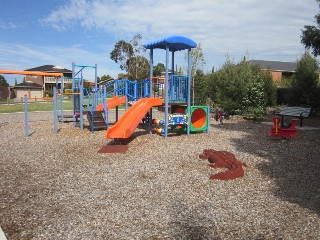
[(7, 25), (267, 29)]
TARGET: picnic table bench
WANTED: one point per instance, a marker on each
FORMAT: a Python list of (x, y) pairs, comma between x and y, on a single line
[(298, 112)]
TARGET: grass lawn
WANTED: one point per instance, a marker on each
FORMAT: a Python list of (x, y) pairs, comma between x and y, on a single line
[(37, 106), (32, 107)]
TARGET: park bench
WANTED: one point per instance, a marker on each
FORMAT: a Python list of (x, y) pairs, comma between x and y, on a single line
[(298, 112)]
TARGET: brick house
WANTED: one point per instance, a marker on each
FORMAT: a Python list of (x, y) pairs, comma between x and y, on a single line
[(279, 70)]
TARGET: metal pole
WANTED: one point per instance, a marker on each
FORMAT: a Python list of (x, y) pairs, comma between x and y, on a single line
[(55, 110), (96, 83), (106, 112), (166, 94), (126, 93), (189, 91), (81, 108), (151, 71), (26, 127)]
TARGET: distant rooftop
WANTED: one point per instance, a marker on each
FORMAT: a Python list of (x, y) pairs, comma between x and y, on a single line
[(50, 68), (276, 65), (28, 84)]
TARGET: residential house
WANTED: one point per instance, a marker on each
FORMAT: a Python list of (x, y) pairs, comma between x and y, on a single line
[(279, 70), (36, 86)]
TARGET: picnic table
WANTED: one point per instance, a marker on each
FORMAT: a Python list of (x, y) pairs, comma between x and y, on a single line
[(298, 112)]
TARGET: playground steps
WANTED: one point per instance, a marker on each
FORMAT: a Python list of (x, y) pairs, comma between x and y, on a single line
[(99, 123)]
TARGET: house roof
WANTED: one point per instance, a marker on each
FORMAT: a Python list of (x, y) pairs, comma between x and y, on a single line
[(50, 69), (276, 65), (175, 43), (28, 84)]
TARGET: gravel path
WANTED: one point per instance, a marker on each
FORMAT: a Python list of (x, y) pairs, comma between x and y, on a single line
[(60, 187)]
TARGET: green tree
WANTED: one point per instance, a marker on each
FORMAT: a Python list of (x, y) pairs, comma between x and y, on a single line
[(270, 88), (241, 87), (139, 65), (254, 101), (122, 75), (3, 82), (158, 69), (130, 56), (232, 84), (200, 87), (121, 53), (197, 62), (310, 37), (306, 79), (104, 78), (138, 68)]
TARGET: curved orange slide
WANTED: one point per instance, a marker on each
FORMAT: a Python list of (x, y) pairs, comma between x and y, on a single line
[(131, 118), (111, 103)]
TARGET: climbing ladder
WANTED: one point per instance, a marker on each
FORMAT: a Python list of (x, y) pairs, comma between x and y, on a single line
[(96, 120)]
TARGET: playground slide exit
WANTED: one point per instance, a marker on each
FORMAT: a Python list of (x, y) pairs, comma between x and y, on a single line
[(131, 118), (111, 103)]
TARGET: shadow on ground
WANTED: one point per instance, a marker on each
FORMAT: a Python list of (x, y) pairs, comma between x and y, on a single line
[(293, 163)]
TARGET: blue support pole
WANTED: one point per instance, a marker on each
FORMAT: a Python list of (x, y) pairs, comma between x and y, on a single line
[(126, 93), (96, 83), (92, 116), (81, 108), (116, 88), (61, 106), (166, 94), (26, 117), (173, 87), (55, 111), (106, 115), (135, 87), (73, 87), (151, 71), (151, 88), (189, 91), (172, 63)]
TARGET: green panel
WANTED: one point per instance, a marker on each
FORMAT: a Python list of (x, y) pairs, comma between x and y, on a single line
[(199, 118)]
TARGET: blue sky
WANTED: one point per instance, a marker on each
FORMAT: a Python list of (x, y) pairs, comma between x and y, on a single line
[(59, 32)]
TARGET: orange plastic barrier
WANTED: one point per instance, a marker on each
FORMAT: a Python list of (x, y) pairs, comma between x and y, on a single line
[(111, 103)]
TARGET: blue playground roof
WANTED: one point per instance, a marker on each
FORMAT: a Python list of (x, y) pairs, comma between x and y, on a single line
[(175, 43)]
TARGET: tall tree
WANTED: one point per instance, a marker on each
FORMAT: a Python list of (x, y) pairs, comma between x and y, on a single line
[(130, 56), (200, 87), (3, 82), (139, 64), (121, 53), (310, 37), (197, 63), (138, 68), (158, 69), (306, 79), (104, 78)]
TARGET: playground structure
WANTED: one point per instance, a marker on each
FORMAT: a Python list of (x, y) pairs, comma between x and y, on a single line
[(281, 130), (182, 117)]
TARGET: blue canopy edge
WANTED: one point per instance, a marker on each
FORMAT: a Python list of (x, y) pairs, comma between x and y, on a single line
[(175, 43)]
